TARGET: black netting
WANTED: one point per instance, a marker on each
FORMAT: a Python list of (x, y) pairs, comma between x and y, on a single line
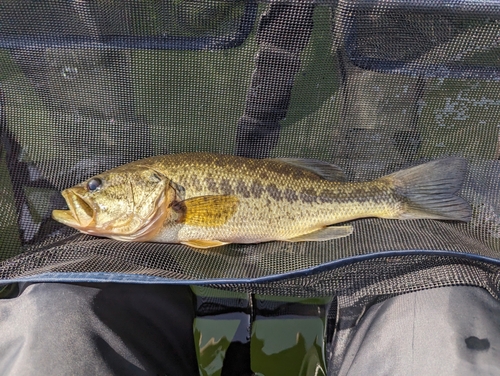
[(373, 87)]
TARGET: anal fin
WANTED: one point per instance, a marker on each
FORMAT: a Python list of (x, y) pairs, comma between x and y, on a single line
[(326, 233), (203, 244)]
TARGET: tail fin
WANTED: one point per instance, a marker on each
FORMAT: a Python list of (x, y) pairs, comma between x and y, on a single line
[(429, 190)]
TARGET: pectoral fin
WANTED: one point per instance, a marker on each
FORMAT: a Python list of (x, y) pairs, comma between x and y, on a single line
[(207, 211), (204, 244), (327, 233)]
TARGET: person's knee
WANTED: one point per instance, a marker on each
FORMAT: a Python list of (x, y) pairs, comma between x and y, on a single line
[(53, 307)]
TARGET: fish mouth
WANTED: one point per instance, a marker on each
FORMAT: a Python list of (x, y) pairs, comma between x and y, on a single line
[(81, 213)]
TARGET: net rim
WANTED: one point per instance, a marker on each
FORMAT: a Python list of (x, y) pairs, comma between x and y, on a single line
[(99, 277)]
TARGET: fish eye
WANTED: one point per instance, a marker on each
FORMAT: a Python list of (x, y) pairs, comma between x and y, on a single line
[(94, 184)]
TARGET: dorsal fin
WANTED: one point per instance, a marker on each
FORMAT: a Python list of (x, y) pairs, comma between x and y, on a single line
[(323, 169)]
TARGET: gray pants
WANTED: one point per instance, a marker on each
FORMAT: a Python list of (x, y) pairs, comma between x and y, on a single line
[(442, 331), (97, 329), (125, 329)]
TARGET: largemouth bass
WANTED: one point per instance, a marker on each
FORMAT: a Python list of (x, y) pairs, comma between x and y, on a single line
[(208, 200)]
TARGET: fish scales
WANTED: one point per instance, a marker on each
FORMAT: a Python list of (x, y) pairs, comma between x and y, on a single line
[(206, 200), (277, 200)]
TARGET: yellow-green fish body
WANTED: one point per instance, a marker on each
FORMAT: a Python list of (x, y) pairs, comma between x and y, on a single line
[(209, 200)]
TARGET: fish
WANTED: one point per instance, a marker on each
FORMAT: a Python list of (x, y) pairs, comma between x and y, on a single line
[(206, 200)]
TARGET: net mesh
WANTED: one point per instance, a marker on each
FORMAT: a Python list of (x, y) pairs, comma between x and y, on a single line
[(370, 86)]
